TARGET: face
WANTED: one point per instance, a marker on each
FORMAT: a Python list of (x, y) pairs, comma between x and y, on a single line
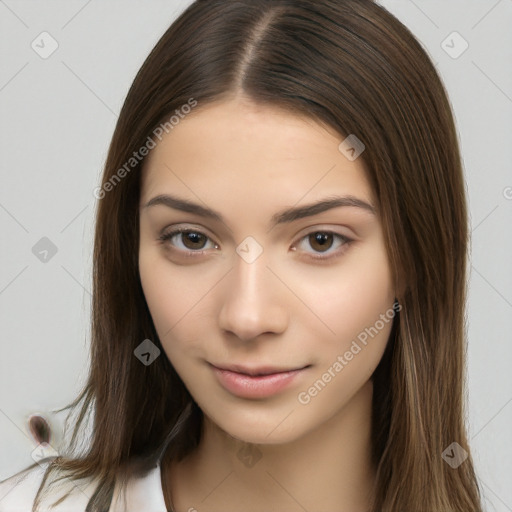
[(271, 294)]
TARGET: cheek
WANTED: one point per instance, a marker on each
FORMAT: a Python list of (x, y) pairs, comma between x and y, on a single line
[(365, 295), (172, 292), (348, 297), (357, 305), (160, 295), (177, 300)]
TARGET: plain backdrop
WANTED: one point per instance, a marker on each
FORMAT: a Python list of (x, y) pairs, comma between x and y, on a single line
[(57, 115)]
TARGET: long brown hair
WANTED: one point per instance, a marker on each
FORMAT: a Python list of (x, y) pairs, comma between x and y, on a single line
[(353, 66)]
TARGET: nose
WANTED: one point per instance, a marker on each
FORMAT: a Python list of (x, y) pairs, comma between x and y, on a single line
[(253, 303)]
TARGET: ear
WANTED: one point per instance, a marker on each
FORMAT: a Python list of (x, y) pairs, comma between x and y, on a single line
[(400, 288)]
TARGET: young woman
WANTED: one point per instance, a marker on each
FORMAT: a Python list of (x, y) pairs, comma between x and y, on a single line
[(279, 277)]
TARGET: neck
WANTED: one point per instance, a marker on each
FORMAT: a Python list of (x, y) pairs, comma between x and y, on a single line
[(327, 469)]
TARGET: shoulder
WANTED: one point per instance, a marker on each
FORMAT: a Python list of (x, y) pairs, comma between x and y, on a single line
[(18, 492)]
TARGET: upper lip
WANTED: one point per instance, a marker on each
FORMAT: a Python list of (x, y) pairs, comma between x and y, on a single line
[(259, 370)]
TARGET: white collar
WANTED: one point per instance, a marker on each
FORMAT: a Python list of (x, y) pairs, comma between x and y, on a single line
[(141, 494)]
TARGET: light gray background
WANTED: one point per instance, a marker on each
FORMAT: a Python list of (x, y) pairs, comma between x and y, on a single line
[(57, 117)]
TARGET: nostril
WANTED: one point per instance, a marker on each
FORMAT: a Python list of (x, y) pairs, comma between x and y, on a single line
[(39, 429)]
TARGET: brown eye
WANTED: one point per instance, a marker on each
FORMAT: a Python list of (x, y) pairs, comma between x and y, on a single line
[(193, 240), (321, 241), (323, 245), (187, 240)]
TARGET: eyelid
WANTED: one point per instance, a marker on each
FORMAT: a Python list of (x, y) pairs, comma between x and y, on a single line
[(168, 233), (318, 256), (180, 228), (326, 228)]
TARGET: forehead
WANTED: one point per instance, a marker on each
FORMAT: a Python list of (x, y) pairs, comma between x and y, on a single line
[(237, 145)]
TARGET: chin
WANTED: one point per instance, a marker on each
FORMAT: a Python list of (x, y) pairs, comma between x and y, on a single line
[(255, 436), (260, 427)]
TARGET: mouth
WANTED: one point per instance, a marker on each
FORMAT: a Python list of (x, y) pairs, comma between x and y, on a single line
[(258, 371), (257, 382)]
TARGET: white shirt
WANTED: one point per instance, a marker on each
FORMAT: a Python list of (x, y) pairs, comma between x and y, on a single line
[(17, 493)]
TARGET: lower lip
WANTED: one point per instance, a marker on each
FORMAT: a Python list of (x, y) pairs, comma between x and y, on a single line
[(262, 386)]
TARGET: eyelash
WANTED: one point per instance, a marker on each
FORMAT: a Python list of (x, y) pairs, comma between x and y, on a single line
[(165, 237)]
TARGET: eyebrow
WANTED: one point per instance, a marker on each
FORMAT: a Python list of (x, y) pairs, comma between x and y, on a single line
[(285, 216)]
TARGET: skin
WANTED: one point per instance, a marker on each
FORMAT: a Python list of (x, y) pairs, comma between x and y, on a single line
[(285, 308)]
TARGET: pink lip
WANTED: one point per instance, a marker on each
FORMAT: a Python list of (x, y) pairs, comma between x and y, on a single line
[(257, 383)]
